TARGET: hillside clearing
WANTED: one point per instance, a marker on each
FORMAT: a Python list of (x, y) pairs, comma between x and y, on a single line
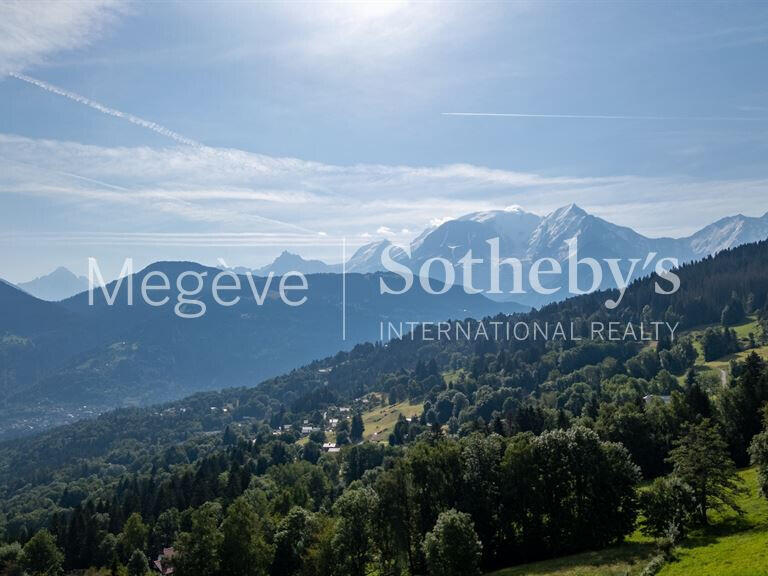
[(379, 422)]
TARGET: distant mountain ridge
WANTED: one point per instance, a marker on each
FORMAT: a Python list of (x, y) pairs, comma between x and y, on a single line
[(530, 237), (58, 285), (289, 262)]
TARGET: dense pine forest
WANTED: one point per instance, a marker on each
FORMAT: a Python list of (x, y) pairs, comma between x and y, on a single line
[(522, 450)]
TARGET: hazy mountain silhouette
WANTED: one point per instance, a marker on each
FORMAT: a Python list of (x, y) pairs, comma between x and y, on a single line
[(71, 353), (58, 285)]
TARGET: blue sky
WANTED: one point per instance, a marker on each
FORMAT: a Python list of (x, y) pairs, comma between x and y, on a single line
[(323, 121)]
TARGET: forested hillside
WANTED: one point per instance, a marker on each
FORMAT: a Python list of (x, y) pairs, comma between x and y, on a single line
[(524, 449), (65, 360)]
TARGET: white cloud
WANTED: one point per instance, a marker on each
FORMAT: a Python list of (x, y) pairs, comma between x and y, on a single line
[(30, 32), (435, 222), (263, 199)]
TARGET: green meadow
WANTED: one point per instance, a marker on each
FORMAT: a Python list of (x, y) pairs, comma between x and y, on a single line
[(732, 545)]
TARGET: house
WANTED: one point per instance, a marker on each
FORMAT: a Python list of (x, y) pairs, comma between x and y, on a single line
[(328, 446), (163, 563), (665, 399)]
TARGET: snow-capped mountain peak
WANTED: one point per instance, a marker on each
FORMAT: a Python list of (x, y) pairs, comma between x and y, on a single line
[(555, 228), (570, 211), (727, 233)]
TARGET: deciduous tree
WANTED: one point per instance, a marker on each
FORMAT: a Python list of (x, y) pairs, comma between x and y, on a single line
[(41, 556), (354, 530), (198, 549), (452, 548), (243, 551)]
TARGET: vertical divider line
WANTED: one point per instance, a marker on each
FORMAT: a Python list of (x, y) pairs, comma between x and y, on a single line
[(344, 288)]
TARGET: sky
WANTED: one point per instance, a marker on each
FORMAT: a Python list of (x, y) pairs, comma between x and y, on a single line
[(228, 132)]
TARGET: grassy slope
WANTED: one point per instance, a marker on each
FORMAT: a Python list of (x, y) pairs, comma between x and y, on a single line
[(380, 421), (626, 560), (732, 546)]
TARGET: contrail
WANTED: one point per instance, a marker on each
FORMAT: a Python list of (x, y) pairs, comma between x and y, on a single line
[(68, 174), (598, 116), (149, 125)]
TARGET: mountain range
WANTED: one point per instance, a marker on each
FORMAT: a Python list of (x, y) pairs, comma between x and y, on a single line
[(530, 237), (523, 235)]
